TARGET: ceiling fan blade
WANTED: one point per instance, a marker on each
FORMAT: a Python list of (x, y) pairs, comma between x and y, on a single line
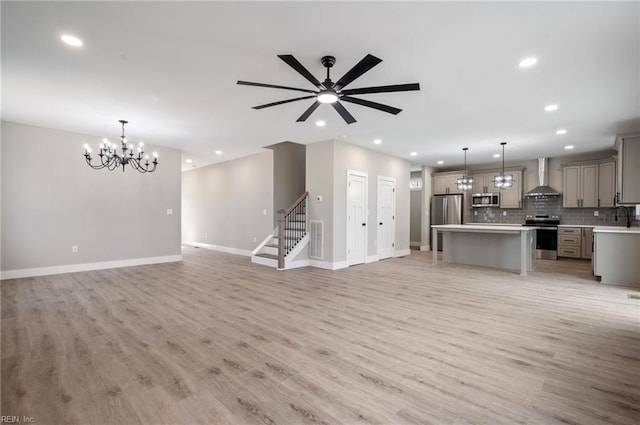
[(308, 112), (293, 63), (281, 102), (343, 112), (360, 68), (273, 86), (370, 104), (383, 89)]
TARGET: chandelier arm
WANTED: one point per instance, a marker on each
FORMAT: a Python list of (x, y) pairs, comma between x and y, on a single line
[(95, 167)]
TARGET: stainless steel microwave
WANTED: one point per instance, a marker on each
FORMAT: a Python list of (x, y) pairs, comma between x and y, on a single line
[(485, 200)]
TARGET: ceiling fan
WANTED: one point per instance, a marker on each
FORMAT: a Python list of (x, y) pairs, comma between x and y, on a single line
[(333, 93)]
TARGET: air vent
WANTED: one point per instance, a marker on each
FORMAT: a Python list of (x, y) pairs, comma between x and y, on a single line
[(316, 241)]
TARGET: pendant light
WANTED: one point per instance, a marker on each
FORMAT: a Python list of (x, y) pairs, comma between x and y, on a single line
[(466, 181), (503, 180)]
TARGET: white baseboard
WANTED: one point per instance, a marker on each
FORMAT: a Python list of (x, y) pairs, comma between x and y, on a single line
[(297, 264), (425, 248), (371, 258), (73, 268), (327, 265), (402, 252), (226, 249)]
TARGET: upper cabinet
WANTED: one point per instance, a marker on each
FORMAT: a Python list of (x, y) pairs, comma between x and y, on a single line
[(511, 197), (628, 147), (483, 183), (607, 184), (588, 185), (445, 183)]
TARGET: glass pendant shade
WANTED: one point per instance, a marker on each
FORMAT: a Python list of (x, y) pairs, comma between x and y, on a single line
[(503, 180), (466, 181)]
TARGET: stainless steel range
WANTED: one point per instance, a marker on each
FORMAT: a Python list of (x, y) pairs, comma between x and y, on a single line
[(546, 235)]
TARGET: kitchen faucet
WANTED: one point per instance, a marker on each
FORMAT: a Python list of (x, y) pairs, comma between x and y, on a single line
[(626, 209)]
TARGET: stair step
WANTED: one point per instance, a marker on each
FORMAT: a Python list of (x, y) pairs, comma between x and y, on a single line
[(270, 256)]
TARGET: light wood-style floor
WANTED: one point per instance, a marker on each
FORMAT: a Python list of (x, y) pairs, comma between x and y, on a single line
[(217, 340)]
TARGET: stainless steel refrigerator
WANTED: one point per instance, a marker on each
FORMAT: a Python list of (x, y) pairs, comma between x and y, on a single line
[(445, 209)]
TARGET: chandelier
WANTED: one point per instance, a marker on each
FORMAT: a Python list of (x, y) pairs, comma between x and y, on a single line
[(466, 181), (503, 180), (112, 158)]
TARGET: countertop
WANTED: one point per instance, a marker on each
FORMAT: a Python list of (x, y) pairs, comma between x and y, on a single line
[(491, 228), (616, 229), (577, 225), (493, 224)]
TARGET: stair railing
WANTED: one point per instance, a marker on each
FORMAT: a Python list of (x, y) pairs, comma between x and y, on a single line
[(291, 229)]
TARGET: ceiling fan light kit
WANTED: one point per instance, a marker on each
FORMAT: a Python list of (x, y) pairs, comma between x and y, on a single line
[(332, 93)]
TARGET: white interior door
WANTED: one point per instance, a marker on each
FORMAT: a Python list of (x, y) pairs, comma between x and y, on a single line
[(386, 216), (356, 218)]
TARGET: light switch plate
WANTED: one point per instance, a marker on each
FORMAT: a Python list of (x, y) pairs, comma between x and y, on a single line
[(504, 213), (169, 211)]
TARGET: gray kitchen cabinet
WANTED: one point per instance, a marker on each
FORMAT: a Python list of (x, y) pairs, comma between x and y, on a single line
[(587, 242), (581, 185), (607, 184), (511, 197), (628, 176), (483, 183), (443, 184), (569, 242)]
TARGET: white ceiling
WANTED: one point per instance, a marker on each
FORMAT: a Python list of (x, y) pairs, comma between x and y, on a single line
[(171, 68)]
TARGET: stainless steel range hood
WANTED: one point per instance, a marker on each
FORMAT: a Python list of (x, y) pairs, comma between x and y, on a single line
[(543, 174)]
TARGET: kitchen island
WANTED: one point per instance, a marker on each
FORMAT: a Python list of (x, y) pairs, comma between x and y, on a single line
[(504, 247), (616, 251)]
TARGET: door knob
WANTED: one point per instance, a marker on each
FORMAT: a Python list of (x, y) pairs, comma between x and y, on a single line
[(380, 224), (364, 224)]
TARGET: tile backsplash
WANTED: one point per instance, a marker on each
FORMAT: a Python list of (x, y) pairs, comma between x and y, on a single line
[(551, 205)]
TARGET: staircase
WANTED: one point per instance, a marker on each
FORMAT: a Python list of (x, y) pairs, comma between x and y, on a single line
[(284, 248)]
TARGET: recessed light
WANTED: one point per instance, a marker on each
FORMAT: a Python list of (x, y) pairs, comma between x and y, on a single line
[(218, 152), (413, 153), (71, 40), (320, 123), (550, 108), (561, 131), (527, 62), (496, 155), (440, 162), (568, 147), (377, 142), (188, 161)]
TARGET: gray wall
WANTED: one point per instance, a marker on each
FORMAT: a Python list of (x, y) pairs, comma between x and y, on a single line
[(52, 200), (351, 157), (327, 165), (320, 183), (223, 204), (288, 173), (415, 223)]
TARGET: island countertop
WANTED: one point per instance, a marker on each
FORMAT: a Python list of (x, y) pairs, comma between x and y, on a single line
[(488, 228), (616, 229)]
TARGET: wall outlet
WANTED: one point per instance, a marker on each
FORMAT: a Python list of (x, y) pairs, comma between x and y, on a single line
[(74, 248), (475, 213), (596, 213), (264, 212), (504, 213), (206, 235), (169, 211), (255, 239)]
